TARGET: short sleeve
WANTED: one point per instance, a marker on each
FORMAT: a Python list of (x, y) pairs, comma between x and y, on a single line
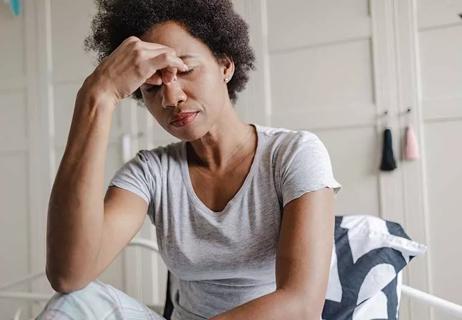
[(305, 166), (135, 176)]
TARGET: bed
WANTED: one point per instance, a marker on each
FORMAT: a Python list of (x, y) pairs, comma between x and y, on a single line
[(365, 280)]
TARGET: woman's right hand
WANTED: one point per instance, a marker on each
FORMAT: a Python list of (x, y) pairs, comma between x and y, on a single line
[(130, 65)]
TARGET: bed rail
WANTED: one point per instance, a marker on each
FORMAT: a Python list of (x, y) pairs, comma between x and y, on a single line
[(421, 296)]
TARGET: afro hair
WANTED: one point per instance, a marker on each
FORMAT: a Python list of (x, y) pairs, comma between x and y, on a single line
[(214, 22)]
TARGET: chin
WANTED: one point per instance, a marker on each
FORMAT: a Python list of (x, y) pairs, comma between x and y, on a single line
[(188, 133)]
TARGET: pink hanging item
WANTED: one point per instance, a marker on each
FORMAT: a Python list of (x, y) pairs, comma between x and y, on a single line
[(411, 151)]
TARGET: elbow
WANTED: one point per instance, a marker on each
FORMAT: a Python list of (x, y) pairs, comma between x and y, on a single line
[(64, 275), (64, 284), (59, 283), (59, 286)]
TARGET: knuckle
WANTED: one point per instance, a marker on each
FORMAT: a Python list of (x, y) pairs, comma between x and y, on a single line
[(134, 46), (137, 46), (138, 54), (131, 40)]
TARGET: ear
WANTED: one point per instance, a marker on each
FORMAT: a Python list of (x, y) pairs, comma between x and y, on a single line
[(227, 68)]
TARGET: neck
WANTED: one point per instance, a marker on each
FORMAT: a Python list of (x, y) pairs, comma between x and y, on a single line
[(228, 140)]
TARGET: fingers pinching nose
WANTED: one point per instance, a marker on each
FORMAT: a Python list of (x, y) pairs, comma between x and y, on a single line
[(155, 79), (169, 76), (165, 76)]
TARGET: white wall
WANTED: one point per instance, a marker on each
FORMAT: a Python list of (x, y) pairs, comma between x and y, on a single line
[(331, 68)]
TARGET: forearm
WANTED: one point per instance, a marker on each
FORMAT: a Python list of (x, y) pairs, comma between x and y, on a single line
[(277, 305), (76, 206)]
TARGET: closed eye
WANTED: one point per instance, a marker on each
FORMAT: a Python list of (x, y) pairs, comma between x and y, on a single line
[(186, 72), (153, 87)]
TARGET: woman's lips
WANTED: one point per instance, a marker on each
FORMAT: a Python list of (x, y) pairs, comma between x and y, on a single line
[(184, 120)]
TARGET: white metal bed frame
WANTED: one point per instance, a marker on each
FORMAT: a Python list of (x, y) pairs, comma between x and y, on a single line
[(426, 298)]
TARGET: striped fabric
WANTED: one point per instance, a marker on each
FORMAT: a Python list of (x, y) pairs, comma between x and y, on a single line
[(98, 301)]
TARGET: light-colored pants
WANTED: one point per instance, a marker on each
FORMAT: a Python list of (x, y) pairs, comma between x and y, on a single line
[(98, 301)]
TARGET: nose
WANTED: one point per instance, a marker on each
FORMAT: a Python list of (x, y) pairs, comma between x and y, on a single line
[(172, 94)]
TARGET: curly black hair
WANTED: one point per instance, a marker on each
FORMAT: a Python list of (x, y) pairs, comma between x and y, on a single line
[(214, 22)]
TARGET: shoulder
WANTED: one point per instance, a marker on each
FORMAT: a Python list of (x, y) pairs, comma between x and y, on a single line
[(171, 150), (283, 140), (286, 134), (151, 163)]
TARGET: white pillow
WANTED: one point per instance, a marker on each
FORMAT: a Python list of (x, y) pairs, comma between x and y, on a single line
[(365, 275)]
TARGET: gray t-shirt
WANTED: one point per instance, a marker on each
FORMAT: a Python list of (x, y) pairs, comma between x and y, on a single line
[(219, 260)]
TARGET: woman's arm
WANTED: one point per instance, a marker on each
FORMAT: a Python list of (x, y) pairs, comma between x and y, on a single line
[(75, 210), (80, 221), (302, 264)]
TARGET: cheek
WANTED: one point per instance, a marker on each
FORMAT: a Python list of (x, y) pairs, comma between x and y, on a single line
[(208, 86), (153, 104), (154, 111)]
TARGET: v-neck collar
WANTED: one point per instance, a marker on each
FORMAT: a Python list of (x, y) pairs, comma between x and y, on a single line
[(239, 193)]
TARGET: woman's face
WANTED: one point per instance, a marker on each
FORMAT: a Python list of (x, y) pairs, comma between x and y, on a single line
[(201, 89)]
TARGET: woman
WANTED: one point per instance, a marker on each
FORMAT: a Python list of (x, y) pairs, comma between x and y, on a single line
[(243, 213)]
